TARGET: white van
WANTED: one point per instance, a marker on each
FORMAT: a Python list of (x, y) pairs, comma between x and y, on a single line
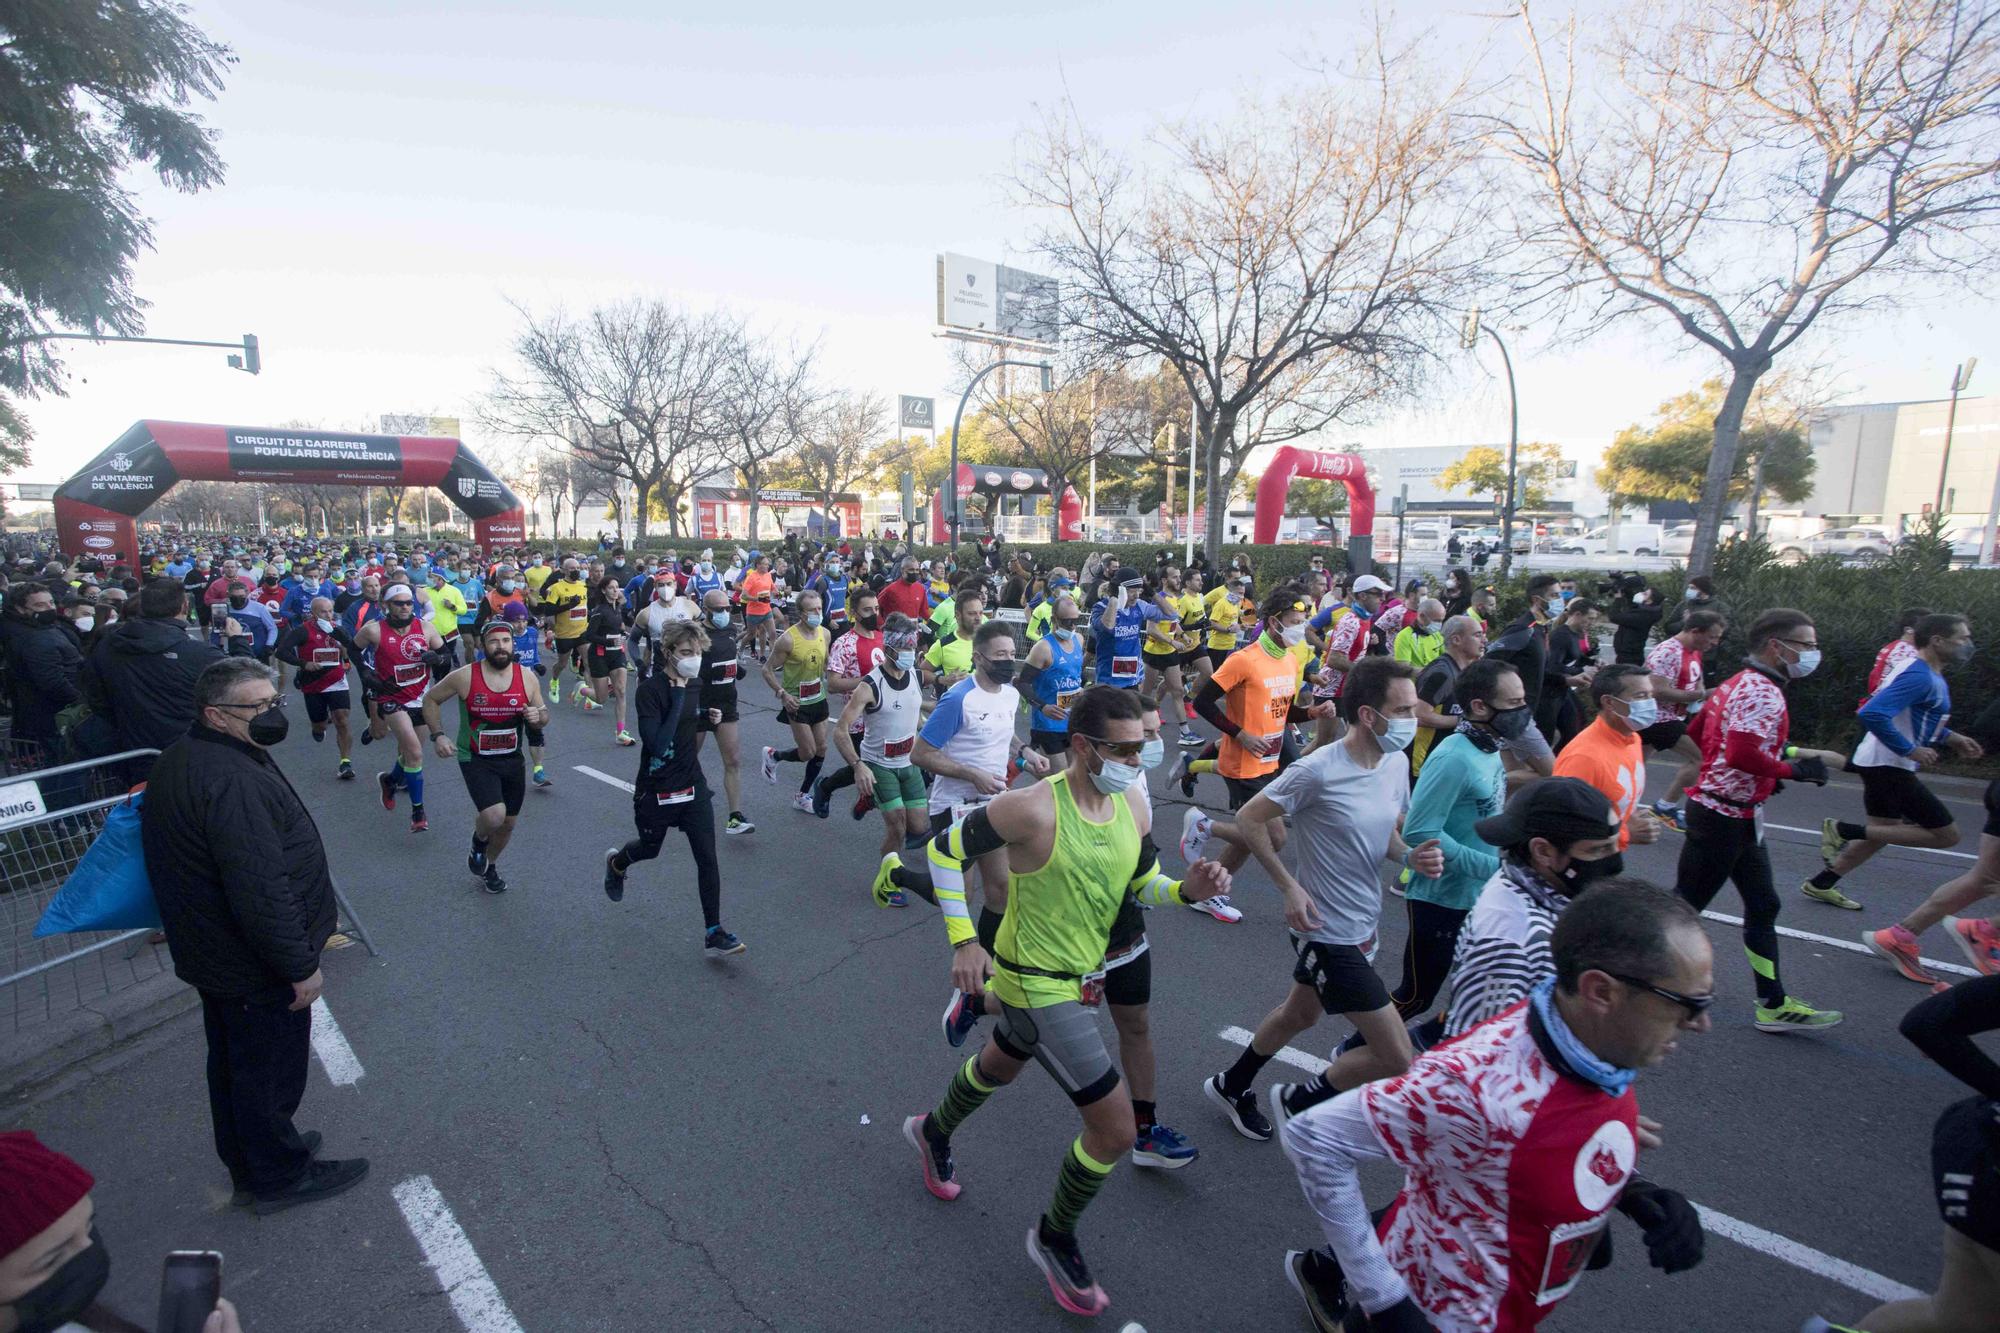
[(1633, 539)]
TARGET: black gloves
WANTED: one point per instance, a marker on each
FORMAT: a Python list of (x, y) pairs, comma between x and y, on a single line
[(1811, 769), (1668, 1221)]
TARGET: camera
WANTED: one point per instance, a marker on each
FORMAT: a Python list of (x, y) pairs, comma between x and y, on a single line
[(1621, 583)]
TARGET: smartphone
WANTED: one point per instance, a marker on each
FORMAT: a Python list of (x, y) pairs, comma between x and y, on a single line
[(190, 1285)]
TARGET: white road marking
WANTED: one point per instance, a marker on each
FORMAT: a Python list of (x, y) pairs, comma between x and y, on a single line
[(474, 1298), (1929, 851), (1852, 946), (336, 1057), (1782, 1248), (588, 772)]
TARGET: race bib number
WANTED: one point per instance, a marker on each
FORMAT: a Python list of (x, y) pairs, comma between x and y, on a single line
[(409, 673), (326, 657), (681, 797), (496, 740), (811, 690), (897, 749), (1570, 1248), (725, 672), (578, 613), (1124, 666), (1066, 697)]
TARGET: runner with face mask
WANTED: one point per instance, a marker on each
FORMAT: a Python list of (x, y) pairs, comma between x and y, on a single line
[(317, 648), (403, 649)]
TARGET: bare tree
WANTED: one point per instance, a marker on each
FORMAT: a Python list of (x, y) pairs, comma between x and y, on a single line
[(1334, 220), (840, 443), (629, 387), (1751, 167), (767, 398)]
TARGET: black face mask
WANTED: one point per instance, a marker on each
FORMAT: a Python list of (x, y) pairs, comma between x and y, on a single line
[(910, 577), (269, 727), (1002, 672), (67, 1292), (46, 617), (1579, 874), (1512, 723), (239, 602), (868, 622)]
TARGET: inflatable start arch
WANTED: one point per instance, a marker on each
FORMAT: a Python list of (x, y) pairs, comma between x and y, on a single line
[(97, 509), (1290, 462)]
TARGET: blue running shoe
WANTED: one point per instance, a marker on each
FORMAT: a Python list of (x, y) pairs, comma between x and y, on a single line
[(1672, 816), (961, 1015), (719, 943), (1163, 1147)]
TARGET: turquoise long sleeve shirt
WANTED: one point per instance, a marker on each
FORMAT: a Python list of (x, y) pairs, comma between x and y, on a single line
[(1461, 784)]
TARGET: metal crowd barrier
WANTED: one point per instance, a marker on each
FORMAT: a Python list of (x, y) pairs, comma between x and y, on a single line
[(48, 819)]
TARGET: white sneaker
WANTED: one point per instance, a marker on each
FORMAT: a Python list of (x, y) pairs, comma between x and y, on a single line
[(1219, 908), (770, 766), (804, 801), (1194, 834)]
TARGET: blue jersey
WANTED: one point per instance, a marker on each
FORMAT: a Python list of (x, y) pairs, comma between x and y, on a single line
[(700, 584), (1058, 682), (527, 645), (833, 592), (1118, 661)]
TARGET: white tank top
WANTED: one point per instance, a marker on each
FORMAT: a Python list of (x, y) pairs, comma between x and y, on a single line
[(889, 730)]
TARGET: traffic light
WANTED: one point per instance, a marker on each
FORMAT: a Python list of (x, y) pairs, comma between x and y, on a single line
[(252, 360)]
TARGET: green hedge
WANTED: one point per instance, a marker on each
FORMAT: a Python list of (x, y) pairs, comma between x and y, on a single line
[(1269, 565)]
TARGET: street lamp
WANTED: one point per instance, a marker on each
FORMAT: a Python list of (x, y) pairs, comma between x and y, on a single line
[(1961, 376), (951, 478), (1468, 339)]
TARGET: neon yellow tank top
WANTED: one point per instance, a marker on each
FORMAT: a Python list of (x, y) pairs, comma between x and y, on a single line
[(805, 661), (1059, 917)]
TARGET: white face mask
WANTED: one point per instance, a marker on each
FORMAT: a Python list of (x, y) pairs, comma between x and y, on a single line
[(325, 626), (84, 624), (1294, 635), (1807, 664), (687, 667)]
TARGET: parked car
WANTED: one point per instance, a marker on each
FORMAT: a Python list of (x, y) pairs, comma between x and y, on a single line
[(1633, 539), (1965, 543), (1857, 545), (1678, 539)]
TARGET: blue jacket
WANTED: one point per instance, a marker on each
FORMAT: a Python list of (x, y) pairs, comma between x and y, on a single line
[(1910, 709)]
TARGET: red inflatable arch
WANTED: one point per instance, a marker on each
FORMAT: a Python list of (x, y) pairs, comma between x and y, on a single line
[(96, 509), (1290, 462), (993, 479)]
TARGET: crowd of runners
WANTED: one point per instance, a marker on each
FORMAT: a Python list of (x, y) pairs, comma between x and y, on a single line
[(1000, 721)]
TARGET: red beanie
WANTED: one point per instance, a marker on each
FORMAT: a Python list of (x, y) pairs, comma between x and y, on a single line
[(37, 1186)]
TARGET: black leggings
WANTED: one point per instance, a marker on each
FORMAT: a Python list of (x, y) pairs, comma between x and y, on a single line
[(1719, 849), (696, 818), (1428, 947)]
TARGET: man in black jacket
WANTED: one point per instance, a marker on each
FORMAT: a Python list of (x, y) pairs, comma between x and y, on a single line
[(141, 674), (247, 903), (42, 667), (1635, 608)]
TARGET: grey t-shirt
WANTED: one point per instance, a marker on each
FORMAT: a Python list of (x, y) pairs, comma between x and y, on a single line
[(1342, 816)]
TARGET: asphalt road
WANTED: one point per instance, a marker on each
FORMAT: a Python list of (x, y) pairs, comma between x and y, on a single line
[(626, 1135)]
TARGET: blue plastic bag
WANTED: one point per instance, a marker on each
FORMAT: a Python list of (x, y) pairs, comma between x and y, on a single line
[(109, 889)]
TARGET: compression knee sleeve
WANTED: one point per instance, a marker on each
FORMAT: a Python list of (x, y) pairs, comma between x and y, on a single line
[(1077, 1184)]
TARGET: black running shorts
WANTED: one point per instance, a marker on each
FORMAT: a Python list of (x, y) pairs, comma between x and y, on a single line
[(1663, 735), (321, 706), (1897, 793), (1340, 976), (1964, 1175), (491, 782)]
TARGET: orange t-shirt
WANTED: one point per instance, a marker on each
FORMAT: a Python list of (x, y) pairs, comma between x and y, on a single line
[(756, 594), (1258, 690), (1614, 764)]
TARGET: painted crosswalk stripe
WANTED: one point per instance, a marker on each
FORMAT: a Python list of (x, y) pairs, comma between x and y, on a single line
[(474, 1299), (1782, 1248), (1928, 851), (329, 1043), (589, 772), (1851, 946)]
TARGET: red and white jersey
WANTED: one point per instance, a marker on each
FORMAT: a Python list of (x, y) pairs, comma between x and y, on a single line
[(399, 659), (1895, 654), (1512, 1170), (855, 654), (1748, 702), (1672, 660), (322, 652), (1343, 636), (272, 600)]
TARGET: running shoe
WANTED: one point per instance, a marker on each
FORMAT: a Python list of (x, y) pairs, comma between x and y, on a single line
[(822, 800), (1980, 942), (1400, 885), (804, 801), (1162, 1147), (1219, 908), (1830, 841), (419, 822), (1816, 1324), (719, 943), (614, 883), (1195, 828), (1182, 776), (475, 861), (494, 884), (938, 1170), (961, 1016), (555, 693), (1795, 1015), (624, 737), (1061, 1262), (346, 773), (367, 735), (1672, 816), (1831, 896), (1327, 1316), (1242, 1111), (388, 786), (884, 889), (542, 778), (738, 824), (1275, 1096), (770, 766), (1192, 741), (1898, 947), (590, 705), (862, 805), (1187, 711), (319, 734)]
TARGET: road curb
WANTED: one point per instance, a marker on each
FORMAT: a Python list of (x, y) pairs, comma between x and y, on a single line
[(73, 1040)]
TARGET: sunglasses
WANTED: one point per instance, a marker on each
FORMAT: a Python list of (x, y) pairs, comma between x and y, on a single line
[(1121, 749), (1696, 1005), (261, 705)]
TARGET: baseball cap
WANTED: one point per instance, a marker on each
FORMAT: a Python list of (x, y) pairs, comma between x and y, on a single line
[(1563, 810), (1369, 583)]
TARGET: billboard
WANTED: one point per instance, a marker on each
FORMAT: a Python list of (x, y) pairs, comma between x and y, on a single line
[(918, 413), (994, 298)]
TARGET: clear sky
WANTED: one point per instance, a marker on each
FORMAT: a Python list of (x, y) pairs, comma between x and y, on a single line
[(394, 176)]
